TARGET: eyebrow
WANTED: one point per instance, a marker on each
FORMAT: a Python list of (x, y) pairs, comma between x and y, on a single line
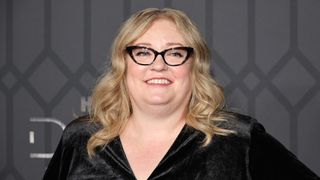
[(168, 44), (172, 44), (142, 44)]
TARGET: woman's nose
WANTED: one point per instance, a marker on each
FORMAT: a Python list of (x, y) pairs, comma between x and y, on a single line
[(159, 64)]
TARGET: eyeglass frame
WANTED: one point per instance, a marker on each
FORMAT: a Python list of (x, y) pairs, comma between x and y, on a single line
[(162, 53)]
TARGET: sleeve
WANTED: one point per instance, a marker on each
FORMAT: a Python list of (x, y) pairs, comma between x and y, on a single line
[(269, 159), (59, 165)]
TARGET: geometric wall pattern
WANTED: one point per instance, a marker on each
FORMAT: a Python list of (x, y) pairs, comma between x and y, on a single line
[(265, 53)]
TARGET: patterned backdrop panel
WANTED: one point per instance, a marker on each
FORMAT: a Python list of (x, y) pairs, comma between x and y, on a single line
[(265, 54)]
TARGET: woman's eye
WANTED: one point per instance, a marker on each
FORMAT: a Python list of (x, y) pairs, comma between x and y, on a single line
[(142, 53), (175, 54)]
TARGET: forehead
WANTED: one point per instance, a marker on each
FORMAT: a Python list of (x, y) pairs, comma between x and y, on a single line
[(161, 32)]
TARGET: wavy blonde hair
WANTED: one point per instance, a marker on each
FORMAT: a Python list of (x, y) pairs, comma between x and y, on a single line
[(111, 105)]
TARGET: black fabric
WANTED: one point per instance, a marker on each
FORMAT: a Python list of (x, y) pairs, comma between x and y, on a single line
[(251, 153)]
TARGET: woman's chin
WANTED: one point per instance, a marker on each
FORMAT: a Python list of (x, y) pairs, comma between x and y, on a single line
[(158, 100)]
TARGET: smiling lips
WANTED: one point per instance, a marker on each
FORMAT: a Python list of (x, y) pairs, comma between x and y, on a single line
[(161, 81)]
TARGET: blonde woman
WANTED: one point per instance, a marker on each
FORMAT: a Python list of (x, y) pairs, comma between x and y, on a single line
[(158, 114)]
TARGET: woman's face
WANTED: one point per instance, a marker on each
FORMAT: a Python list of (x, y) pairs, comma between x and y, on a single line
[(159, 84)]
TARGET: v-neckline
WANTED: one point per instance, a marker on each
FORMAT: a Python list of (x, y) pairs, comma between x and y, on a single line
[(180, 137)]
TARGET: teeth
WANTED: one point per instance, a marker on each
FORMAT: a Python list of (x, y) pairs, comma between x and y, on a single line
[(158, 81)]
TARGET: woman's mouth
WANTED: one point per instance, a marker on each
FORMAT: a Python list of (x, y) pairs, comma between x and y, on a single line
[(159, 81)]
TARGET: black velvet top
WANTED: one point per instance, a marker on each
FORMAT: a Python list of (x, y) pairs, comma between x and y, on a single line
[(251, 153)]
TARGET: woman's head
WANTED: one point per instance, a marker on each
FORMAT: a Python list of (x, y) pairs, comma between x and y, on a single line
[(111, 104), (158, 77)]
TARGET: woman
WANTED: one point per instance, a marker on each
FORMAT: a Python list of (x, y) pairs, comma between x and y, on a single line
[(158, 114)]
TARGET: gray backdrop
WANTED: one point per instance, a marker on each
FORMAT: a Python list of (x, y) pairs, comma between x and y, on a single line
[(266, 53)]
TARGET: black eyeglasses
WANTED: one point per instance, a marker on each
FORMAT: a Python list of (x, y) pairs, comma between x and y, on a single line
[(146, 56)]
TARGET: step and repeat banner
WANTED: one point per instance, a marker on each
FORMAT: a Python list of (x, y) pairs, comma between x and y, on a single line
[(265, 54)]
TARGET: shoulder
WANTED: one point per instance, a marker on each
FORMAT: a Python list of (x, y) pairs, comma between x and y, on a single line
[(243, 125), (78, 131)]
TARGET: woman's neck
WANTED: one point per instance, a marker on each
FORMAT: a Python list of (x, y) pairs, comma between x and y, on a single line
[(155, 125)]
